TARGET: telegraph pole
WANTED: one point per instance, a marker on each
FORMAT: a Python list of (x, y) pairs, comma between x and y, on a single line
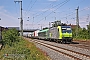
[(49, 30), (77, 21), (33, 23), (87, 17), (41, 27), (49, 24), (21, 22), (55, 15)]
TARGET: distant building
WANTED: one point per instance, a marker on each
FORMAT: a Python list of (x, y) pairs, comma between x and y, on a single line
[(73, 26), (17, 28), (6, 28)]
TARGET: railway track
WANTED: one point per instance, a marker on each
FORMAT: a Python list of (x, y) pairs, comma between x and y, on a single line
[(69, 53), (80, 46), (84, 45)]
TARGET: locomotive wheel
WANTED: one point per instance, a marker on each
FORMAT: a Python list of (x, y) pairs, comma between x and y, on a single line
[(50, 40), (63, 42), (56, 41)]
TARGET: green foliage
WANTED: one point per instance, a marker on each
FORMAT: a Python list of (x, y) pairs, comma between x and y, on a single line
[(81, 34), (88, 30), (22, 50), (74, 32), (17, 48), (10, 36)]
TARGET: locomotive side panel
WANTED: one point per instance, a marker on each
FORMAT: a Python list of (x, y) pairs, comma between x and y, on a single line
[(54, 33)]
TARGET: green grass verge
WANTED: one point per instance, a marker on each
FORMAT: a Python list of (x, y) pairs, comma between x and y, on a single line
[(22, 50), (81, 39)]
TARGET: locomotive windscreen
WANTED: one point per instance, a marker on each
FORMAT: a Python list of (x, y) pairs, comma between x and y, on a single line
[(66, 29)]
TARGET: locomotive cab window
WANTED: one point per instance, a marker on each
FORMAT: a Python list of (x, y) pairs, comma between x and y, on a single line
[(66, 29)]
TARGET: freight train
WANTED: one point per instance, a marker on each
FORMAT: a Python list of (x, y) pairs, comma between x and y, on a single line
[(61, 34)]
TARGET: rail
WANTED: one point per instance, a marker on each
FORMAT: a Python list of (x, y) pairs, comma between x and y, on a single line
[(73, 54)]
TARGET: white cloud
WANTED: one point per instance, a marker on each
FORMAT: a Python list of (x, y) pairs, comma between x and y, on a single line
[(87, 8), (52, 0), (48, 9), (1, 7), (7, 19), (17, 0)]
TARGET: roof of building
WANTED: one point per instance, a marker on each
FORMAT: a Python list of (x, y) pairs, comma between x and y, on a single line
[(17, 28)]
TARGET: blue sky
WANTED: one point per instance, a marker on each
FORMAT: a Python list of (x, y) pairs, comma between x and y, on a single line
[(37, 13)]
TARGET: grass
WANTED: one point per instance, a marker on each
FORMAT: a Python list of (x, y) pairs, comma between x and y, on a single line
[(22, 50), (80, 39)]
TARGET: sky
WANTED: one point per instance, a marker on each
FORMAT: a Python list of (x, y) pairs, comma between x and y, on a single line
[(37, 13)]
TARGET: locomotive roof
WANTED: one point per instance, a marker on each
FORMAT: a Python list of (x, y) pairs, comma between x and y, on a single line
[(66, 26), (44, 30)]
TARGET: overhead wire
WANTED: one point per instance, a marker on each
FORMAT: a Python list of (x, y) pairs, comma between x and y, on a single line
[(63, 3), (36, 14), (40, 13), (47, 15), (72, 12), (44, 11), (31, 6), (50, 8), (29, 10), (63, 17), (28, 7), (75, 13), (76, 4), (69, 8), (33, 17), (47, 10), (79, 11)]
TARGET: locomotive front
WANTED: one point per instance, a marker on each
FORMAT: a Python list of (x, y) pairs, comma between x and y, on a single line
[(65, 33)]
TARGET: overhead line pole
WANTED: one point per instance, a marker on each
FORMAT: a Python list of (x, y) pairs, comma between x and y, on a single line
[(77, 21), (21, 22)]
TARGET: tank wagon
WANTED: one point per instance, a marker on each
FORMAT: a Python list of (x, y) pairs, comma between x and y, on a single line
[(61, 34)]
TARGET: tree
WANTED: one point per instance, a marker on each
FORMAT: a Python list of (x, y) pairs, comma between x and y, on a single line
[(10, 36), (88, 28), (82, 33)]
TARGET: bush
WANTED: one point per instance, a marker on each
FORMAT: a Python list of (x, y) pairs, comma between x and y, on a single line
[(22, 50), (9, 37), (82, 33), (18, 49)]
